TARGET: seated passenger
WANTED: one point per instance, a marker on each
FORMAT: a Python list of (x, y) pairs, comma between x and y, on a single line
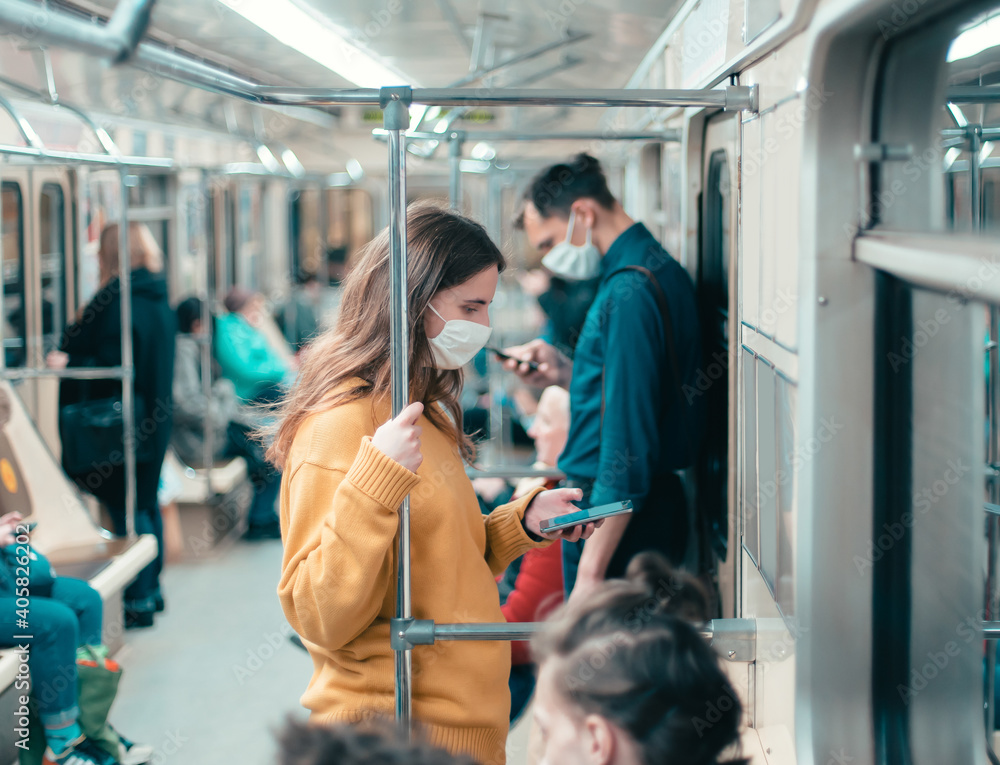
[(232, 424), (533, 584), (626, 679), (347, 745), (244, 354), (64, 615)]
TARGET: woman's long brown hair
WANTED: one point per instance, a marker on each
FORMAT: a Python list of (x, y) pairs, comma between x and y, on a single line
[(444, 249)]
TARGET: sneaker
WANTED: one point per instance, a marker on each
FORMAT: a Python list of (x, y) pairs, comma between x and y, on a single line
[(138, 619), (131, 753), (82, 751)]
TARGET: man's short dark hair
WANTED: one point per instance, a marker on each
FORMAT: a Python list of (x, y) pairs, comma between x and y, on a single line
[(554, 190), (188, 312)]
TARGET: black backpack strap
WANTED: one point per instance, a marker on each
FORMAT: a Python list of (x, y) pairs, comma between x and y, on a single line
[(668, 331)]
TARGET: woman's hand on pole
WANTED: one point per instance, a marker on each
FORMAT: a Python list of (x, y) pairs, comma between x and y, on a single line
[(554, 368), (399, 438), (550, 504), (56, 360)]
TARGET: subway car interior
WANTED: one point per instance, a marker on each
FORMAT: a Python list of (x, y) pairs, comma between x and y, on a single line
[(826, 174)]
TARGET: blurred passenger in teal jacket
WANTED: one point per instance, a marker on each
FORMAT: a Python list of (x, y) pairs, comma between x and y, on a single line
[(243, 351)]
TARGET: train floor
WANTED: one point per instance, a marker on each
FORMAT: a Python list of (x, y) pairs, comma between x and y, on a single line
[(216, 677)]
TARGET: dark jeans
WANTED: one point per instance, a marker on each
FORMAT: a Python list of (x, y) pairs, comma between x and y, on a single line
[(660, 526), (265, 478), (58, 624), (522, 685), (140, 596)]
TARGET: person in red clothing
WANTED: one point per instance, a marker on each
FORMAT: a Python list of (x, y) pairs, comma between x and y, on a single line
[(532, 586)]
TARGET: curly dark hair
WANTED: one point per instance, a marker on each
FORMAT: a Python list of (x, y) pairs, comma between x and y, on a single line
[(371, 743), (648, 669)]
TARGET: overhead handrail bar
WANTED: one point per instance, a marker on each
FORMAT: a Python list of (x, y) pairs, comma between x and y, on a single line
[(987, 133), (500, 136), (52, 98), (973, 94), (103, 136), (60, 28), (74, 157), (23, 126), (520, 58), (117, 40)]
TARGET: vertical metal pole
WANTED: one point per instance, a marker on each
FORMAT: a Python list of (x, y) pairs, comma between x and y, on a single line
[(396, 117), (128, 373), (975, 176), (455, 171), (494, 198)]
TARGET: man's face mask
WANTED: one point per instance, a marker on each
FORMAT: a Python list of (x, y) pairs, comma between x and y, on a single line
[(574, 261)]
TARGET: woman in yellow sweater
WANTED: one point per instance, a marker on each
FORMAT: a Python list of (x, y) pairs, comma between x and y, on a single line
[(347, 467)]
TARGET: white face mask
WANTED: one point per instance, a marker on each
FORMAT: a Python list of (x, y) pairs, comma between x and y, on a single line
[(574, 261), (458, 342)]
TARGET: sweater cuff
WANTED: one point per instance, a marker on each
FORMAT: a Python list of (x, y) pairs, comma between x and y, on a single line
[(380, 477), (505, 528)]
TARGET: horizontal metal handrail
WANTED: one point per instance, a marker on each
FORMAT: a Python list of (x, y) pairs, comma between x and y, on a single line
[(57, 155), (991, 630), (487, 631), (514, 473), (75, 373), (500, 136)]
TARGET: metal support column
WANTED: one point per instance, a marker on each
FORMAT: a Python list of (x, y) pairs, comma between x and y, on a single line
[(992, 519), (395, 103), (128, 372), (975, 177), (455, 142)]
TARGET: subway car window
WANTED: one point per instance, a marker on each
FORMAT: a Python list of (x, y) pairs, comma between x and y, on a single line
[(14, 308), (100, 205), (250, 237), (52, 250)]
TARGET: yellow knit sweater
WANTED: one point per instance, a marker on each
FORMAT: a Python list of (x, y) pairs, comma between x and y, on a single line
[(339, 519)]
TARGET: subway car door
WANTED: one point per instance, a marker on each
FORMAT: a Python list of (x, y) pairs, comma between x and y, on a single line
[(50, 275), (715, 469)]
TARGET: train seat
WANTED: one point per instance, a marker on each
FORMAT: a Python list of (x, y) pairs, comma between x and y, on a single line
[(33, 483), (212, 503)]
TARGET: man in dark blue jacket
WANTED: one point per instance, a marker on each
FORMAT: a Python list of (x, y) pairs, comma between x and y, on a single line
[(631, 426)]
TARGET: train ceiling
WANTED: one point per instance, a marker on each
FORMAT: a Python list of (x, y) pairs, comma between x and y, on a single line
[(429, 43)]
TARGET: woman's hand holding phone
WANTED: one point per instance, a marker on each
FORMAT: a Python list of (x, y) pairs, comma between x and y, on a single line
[(550, 504), (399, 438)]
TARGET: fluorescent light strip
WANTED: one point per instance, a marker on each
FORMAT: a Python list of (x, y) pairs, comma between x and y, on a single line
[(316, 38), (975, 40)]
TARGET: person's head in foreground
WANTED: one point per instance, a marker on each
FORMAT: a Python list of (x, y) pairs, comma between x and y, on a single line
[(625, 678), (378, 743)]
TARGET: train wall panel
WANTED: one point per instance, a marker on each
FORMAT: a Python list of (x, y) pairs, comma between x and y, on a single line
[(750, 212), (769, 208), (785, 130)]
